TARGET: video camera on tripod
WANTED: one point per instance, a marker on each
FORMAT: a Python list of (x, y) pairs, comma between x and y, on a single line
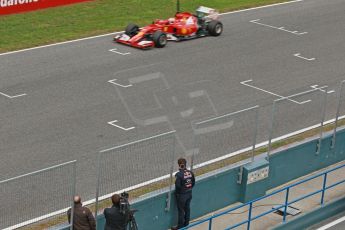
[(125, 209)]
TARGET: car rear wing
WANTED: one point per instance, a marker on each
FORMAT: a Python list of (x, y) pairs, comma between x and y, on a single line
[(207, 13)]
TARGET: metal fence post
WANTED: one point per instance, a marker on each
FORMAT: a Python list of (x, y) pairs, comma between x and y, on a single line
[(271, 129), (74, 185), (255, 131), (323, 188), (286, 203), (167, 207), (98, 184), (323, 114), (337, 114), (194, 147), (250, 215), (210, 224)]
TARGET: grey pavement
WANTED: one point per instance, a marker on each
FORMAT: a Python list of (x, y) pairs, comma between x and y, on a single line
[(69, 100)]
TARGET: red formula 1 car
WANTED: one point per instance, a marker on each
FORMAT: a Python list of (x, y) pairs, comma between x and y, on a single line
[(182, 27)]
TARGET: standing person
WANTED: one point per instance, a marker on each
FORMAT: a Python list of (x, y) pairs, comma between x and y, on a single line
[(114, 219), (82, 216), (184, 184)]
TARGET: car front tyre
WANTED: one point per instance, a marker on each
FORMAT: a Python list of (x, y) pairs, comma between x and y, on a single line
[(160, 39), (132, 30)]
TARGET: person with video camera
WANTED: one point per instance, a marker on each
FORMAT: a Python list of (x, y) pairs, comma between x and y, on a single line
[(184, 184), (115, 219)]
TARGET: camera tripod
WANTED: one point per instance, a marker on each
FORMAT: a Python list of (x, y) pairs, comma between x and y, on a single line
[(132, 224)]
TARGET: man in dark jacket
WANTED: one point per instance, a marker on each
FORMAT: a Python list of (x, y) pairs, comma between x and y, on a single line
[(184, 184), (115, 220), (82, 216)]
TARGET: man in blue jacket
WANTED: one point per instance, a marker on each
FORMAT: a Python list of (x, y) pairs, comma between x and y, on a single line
[(184, 184)]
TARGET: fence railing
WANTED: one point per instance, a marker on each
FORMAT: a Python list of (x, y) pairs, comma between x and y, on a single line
[(287, 202), (211, 139), (36, 196), (113, 165)]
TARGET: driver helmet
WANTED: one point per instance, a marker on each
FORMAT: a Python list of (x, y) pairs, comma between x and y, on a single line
[(171, 20)]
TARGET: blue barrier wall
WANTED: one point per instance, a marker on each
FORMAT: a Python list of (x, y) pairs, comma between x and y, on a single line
[(219, 190), (302, 159), (209, 195)]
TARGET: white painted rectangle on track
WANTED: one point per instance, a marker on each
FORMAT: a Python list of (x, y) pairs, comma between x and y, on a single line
[(120, 127), (115, 83), (115, 51), (300, 56)]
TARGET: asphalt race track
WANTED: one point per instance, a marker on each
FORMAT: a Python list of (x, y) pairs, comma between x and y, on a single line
[(56, 102)]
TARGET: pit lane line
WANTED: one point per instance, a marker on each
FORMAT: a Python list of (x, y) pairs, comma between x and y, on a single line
[(108, 34)]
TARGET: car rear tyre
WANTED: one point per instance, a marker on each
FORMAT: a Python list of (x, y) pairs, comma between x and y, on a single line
[(132, 30), (215, 28), (160, 39)]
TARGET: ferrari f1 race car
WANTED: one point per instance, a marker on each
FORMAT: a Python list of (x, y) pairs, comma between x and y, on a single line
[(182, 27)]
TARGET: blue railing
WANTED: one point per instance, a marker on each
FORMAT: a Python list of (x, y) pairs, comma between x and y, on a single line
[(287, 202)]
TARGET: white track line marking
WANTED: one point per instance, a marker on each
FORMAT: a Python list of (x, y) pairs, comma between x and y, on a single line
[(123, 86), (278, 28), (321, 88), (115, 51), (125, 129), (108, 34), (260, 7), (277, 95), (299, 56), (8, 96)]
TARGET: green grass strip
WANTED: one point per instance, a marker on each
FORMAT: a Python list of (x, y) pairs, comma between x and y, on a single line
[(97, 17)]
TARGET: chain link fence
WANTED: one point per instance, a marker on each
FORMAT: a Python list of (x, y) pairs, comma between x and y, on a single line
[(340, 111), (133, 165), (35, 196), (308, 107), (221, 136)]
